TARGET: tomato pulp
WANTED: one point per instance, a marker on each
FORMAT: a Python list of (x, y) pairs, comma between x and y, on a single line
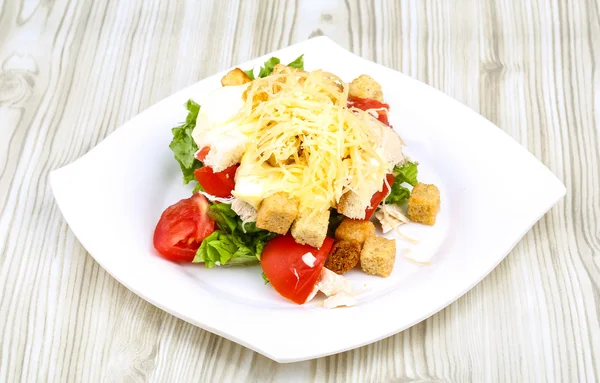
[(289, 275), (219, 184), (182, 227), (379, 196), (368, 103)]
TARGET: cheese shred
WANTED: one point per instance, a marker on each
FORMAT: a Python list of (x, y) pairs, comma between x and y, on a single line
[(306, 141)]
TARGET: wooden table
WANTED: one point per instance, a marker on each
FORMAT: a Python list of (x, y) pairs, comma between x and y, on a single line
[(71, 72)]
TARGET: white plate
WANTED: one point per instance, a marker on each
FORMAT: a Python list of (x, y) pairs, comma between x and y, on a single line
[(492, 191)]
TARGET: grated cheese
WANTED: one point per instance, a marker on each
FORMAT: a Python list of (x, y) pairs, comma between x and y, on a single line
[(306, 142)]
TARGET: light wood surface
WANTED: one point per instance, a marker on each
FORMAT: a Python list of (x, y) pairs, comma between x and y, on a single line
[(71, 72)]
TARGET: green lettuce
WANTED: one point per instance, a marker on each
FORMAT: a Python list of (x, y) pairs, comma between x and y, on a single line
[(234, 243), (298, 63), (183, 145), (197, 188), (398, 195), (269, 65), (406, 173), (229, 221), (250, 73), (265, 279)]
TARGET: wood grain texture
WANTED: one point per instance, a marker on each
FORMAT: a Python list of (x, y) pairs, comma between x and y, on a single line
[(71, 72)]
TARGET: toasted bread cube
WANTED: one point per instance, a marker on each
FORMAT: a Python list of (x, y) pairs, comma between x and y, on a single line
[(344, 256), (377, 256), (350, 205), (351, 229), (365, 87), (235, 77), (311, 229), (276, 213), (424, 204)]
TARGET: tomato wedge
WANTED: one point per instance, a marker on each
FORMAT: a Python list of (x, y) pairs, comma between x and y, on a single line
[(369, 103), (219, 184), (282, 263), (182, 227), (378, 197)]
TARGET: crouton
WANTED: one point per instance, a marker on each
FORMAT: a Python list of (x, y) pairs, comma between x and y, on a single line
[(365, 87), (276, 213), (351, 229), (424, 204), (235, 77), (377, 256), (350, 205), (344, 255), (311, 229)]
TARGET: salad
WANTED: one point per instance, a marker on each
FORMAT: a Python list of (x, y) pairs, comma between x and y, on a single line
[(289, 167)]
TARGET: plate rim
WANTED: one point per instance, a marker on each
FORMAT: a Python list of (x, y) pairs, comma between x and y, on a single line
[(271, 351)]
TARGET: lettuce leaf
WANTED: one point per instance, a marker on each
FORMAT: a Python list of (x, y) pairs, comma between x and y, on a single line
[(406, 173), (232, 244), (197, 188), (183, 145), (229, 221), (222, 248), (398, 195), (269, 65), (250, 73), (267, 281), (298, 63)]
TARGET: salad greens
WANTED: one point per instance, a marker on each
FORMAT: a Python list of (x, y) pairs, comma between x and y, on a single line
[(183, 145), (406, 173), (235, 243), (269, 65), (298, 63), (267, 281)]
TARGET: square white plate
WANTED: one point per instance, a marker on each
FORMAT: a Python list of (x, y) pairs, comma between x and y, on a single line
[(492, 191)]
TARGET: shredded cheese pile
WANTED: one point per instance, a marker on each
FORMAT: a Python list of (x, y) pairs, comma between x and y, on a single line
[(306, 142)]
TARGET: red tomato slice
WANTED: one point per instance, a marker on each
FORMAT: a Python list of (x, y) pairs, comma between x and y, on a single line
[(378, 197), (182, 227), (282, 263), (369, 103), (201, 154), (218, 184)]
